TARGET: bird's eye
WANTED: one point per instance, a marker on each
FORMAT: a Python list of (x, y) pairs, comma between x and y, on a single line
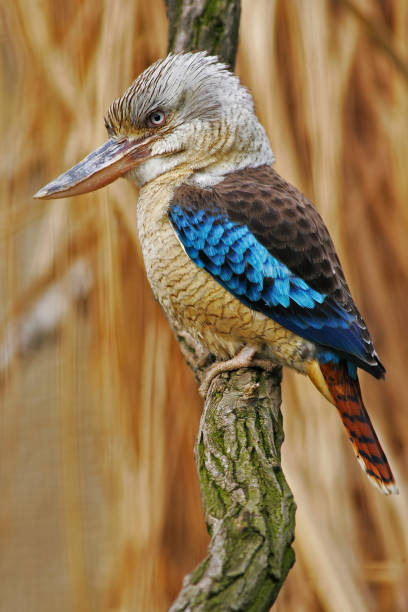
[(156, 118)]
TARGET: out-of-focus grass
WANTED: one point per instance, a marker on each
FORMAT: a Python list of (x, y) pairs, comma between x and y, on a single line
[(100, 506)]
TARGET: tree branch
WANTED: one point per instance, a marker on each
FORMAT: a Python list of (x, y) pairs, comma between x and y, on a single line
[(204, 25), (248, 506)]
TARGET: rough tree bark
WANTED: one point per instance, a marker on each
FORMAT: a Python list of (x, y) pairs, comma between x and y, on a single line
[(205, 25), (248, 506)]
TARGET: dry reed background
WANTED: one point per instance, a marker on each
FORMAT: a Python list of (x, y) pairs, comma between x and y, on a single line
[(100, 507)]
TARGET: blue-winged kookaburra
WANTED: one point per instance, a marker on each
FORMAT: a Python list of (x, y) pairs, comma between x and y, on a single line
[(235, 255)]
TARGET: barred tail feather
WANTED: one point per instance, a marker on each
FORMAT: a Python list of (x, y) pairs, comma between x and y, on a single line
[(346, 394)]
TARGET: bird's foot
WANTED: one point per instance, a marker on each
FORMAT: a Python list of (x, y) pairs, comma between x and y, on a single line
[(243, 359)]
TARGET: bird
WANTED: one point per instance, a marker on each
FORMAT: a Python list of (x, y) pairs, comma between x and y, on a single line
[(235, 255)]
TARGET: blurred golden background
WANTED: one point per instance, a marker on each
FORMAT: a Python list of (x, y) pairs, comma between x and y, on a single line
[(100, 507)]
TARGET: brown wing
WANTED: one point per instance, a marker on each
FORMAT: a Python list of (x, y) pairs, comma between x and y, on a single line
[(286, 223)]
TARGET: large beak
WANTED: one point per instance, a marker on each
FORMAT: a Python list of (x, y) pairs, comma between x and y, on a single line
[(101, 167)]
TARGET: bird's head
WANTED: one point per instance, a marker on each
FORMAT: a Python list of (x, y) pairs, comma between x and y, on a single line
[(186, 115)]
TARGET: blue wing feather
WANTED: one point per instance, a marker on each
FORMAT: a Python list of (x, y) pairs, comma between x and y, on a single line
[(239, 262)]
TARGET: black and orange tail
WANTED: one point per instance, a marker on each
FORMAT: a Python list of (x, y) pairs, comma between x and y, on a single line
[(346, 394)]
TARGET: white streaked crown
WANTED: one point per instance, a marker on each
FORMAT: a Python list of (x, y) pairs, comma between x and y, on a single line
[(209, 114)]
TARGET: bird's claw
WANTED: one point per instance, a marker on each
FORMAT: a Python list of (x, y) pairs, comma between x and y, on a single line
[(243, 359)]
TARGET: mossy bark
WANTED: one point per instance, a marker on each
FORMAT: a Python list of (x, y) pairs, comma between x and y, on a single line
[(204, 25), (248, 506)]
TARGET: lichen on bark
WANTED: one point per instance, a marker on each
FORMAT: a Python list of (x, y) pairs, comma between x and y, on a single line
[(204, 25), (248, 505)]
